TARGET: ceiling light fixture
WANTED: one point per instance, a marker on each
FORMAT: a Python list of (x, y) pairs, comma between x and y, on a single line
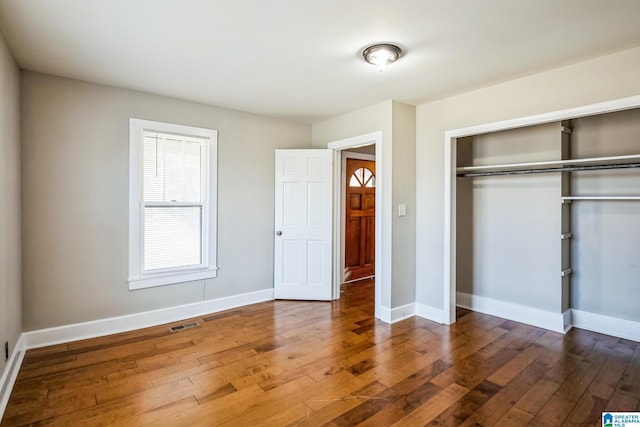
[(381, 54)]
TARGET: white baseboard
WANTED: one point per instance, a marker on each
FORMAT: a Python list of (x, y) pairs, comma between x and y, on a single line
[(608, 325), (430, 313), (384, 314), (511, 311), (402, 312), (393, 315), (566, 321), (113, 325), (10, 374), (558, 322)]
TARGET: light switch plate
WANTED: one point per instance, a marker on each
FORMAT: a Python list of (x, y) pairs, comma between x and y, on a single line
[(402, 210)]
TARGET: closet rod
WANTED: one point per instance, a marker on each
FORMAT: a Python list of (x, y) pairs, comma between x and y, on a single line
[(544, 170)]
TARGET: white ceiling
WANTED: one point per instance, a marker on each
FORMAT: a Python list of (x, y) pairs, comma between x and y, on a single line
[(300, 59)]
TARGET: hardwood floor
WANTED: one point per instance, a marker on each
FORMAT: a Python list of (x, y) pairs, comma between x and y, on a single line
[(313, 363)]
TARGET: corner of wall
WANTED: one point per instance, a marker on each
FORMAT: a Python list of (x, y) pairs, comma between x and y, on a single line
[(11, 325), (8, 378)]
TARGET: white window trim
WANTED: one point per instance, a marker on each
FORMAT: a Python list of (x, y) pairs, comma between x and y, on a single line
[(137, 278)]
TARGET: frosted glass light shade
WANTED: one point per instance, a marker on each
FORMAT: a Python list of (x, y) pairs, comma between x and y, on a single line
[(381, 55)]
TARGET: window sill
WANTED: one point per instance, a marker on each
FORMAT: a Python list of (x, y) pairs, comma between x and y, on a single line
[(171, 278)]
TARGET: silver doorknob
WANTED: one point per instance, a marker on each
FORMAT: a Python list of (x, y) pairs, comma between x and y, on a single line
[(278, 233)]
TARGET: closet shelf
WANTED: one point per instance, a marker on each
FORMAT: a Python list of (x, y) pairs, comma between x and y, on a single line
[(568, 199), (610, 162)]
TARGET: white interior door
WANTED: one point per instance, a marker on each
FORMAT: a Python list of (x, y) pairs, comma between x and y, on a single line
[(303, 224)]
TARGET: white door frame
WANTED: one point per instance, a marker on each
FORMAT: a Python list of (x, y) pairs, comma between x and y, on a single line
[(383, 258), (343, 214), (450, 161)]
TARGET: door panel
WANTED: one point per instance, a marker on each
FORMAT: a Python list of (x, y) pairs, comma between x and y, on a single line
[(360, 219), (370, 247), (303, 224), (352, 245)]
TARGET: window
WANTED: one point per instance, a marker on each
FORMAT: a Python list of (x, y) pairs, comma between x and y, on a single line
[(172, 203), (362, 177)]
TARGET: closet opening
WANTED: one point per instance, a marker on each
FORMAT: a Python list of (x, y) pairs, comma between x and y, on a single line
[(544, 219)]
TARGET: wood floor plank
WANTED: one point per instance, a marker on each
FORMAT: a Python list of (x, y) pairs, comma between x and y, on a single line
[(329, 409), (586, 370), (396, 402), (275, 401), (305, 363), (467, 405), (151, 416), (605, 382), (588, 408), (291, 416), (630, 381), (621, 402), (322, 365), (396, 367), (35, 411), (503, 400), (554, 412), (489, 350), (433, 407), (362, 412), (537, 396), (516, 365), (330, 388), (214, 412), (515, 418)]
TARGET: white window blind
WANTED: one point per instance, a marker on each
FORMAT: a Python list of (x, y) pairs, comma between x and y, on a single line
[(171, 202), (172, 237), (174, 192)]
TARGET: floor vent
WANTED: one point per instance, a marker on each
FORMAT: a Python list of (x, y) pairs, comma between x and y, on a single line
[(185, 326)]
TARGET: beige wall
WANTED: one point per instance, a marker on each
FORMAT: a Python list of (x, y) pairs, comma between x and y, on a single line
[(404, 192), (10, 291), (600, 79), (75, 179), (374, 118), (396, 121)]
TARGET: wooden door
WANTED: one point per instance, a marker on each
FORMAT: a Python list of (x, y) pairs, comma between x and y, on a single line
[(303, 224), (359, 245)]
